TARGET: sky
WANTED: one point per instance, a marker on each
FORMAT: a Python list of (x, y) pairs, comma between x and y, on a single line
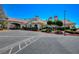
[(44, 11)]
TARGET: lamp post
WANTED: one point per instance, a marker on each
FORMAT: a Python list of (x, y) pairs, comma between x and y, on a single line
[(64, 20)]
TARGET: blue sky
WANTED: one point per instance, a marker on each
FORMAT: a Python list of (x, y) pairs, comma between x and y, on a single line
[(43, 10)]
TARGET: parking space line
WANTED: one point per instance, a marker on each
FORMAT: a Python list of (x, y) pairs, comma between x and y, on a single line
[(16, 36), (30, 40), (13, 45), (25, 42), (10, 51), (29, 36), (19, 47), (27, 45)]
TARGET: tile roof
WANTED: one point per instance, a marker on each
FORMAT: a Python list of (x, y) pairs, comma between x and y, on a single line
[(17, 20)]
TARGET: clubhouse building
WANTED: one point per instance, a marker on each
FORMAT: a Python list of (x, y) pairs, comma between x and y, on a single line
[(19, 23)]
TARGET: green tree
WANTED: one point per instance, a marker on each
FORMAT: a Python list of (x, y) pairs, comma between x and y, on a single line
[(4, 23), (49, 22), (58, 23)]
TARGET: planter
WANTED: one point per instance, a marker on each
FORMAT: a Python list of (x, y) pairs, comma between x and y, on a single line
[(72, 32), (58, 32)]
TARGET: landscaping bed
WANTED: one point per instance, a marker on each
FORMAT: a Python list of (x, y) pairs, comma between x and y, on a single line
[(72, 32)]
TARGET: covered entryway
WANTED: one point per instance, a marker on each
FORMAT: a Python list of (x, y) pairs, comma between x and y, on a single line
[(15, 26)]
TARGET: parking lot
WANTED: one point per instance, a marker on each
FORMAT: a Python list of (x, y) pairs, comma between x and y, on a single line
[(29, 42)]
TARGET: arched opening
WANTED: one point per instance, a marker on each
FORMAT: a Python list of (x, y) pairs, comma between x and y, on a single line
[(15, 26)]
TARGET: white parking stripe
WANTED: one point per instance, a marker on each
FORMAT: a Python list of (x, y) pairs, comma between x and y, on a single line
[(13, 45), (35, 36), (25, 42), (27, 45), (16, 36), (10, 51), (19, 47)]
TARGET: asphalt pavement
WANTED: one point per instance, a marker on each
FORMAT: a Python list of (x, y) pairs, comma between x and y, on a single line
[(29, 42), (13, 38), (53, 45)]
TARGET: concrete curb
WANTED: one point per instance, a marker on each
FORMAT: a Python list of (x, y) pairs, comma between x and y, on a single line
[(3, 30)]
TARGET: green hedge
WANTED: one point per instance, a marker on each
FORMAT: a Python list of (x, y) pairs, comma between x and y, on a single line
[(63, 28), (72, 32)]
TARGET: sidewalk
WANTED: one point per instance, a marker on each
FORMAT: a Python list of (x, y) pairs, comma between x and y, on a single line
[(3, 30)]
